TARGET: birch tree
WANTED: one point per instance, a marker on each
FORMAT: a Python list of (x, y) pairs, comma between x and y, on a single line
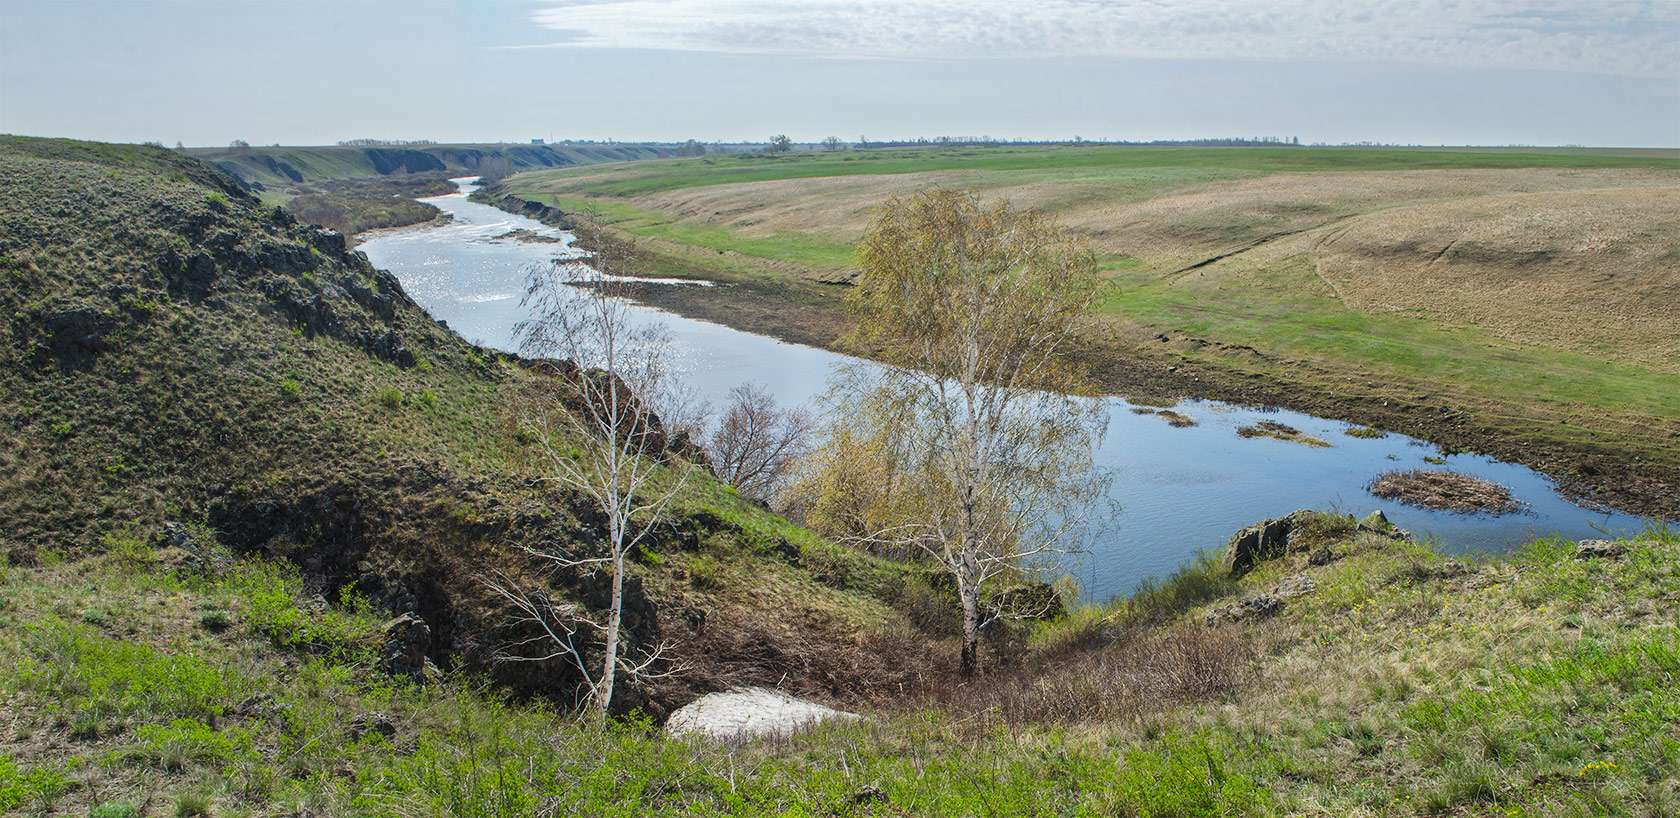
[(973, 425), (593, 423)]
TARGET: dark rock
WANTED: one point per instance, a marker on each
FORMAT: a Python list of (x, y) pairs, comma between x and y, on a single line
[(313, 311), (1377, 523), (195, 273), (327, 241), (1323, 556), (382, 304), (1258, 607), (1267, 539), (369, 723), (869, 795), (712, 523), (786, 550), (174, 535), (79, 331), (194, 555), (388, 346), (406, 639)]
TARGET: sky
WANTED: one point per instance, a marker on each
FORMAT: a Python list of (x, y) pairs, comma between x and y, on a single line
[(306, 72)]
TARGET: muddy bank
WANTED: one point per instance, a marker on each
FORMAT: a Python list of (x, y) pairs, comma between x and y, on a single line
[(1594, 475)]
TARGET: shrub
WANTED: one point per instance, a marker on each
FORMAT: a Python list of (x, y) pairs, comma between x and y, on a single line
[(215, 621), (271, 593), (19, 787), (172, 746), (389, 397), (100, 676), (192, 804)]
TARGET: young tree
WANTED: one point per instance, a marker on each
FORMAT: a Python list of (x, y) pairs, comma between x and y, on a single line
[(492, 170), (757, 443), (592, 421), (975, 439)]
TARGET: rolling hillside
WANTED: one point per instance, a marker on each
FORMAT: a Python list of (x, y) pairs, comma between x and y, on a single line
[(1518, 304), (281, 166)]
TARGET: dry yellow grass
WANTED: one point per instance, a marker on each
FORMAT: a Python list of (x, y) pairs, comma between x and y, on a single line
[(1588, 270), (1583, 260)]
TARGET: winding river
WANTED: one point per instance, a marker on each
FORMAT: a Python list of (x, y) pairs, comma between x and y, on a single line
[(1181, 489)]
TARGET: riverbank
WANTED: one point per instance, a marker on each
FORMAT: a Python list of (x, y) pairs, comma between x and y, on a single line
[(1369, 677), (1599, 459)]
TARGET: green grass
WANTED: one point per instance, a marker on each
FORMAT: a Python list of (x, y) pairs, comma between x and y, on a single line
[(1051, 163), (801, 248), (1605, 406), (221, 667), (1293, 315), (1405, 686)]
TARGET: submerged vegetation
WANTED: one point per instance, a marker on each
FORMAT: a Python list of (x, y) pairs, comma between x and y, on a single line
[(253, 492), (1280, 431), (1442, 489), (1406, 290)]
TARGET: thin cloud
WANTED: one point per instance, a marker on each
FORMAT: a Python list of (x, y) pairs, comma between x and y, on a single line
[(1629, 38)]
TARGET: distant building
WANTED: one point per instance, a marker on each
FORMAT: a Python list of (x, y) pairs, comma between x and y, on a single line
[(536, 141)]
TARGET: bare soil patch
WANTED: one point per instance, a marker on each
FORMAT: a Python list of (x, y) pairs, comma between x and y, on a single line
[(1445, 491)]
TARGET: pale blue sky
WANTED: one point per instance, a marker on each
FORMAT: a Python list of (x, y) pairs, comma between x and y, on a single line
[(1544, 72)]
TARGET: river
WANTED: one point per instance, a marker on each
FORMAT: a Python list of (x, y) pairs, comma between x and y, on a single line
[(1181, 489)]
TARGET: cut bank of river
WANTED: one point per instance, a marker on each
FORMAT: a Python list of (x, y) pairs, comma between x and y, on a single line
[(1181, 489)]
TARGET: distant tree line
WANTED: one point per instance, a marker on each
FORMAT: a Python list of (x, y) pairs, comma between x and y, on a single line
[(986, 141), (383, 143)]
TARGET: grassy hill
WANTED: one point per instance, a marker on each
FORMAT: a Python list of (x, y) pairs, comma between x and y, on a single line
[(179, 357), (355, 188), (230, 451), (282, 166), (1519, 304), (1402, 683)]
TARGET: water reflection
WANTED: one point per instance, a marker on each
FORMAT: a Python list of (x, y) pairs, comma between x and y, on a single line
[(1182, 489)]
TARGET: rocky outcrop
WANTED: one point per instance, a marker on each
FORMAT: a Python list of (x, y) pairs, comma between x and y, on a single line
[(1254, 607), (1599, 550), (1289, 534), (1298, 585), (404, 652), (1265, 540), (1263, 605), (752, 712)]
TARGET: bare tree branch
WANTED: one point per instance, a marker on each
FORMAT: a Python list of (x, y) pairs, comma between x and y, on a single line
[(591, 420)]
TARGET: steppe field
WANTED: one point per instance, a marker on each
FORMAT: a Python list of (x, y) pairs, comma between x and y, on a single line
[(1526, 304)]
